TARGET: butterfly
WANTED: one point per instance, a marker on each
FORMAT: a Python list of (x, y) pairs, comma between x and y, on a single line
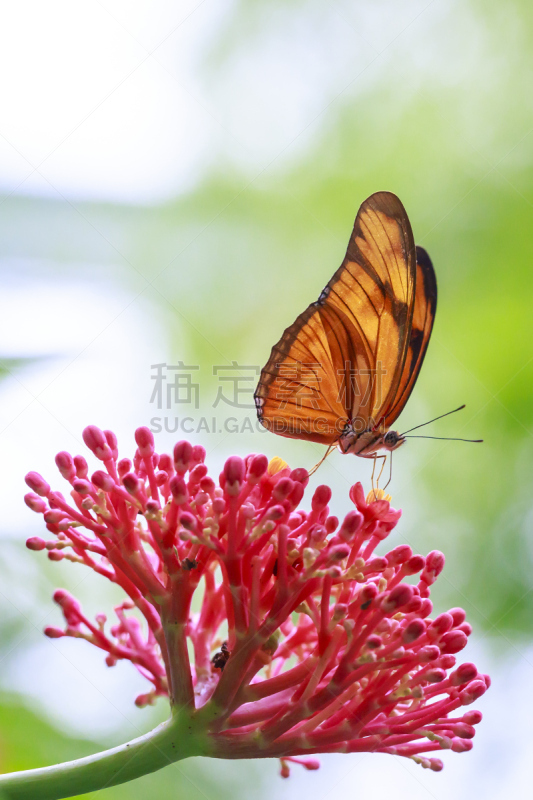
[(343, 371)]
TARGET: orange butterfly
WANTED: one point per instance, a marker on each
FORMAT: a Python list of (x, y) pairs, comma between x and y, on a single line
[(342, 373)]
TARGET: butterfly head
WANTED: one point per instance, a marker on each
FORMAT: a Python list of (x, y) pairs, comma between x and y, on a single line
[(392, 440)]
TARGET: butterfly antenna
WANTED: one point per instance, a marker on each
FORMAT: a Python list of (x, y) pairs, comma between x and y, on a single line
[(433, 420), (445, 438)]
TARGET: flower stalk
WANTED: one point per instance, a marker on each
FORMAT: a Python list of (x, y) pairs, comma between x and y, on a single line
[(306, 640)]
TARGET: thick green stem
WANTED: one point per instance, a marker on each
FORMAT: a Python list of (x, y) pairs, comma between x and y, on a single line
[(174, 740)]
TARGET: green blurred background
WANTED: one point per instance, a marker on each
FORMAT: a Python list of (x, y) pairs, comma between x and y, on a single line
[(179, 181)]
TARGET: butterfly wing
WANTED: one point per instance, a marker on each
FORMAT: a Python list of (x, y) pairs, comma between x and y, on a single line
[(375, 290), (422, 324), (297, 394), (344, 357)]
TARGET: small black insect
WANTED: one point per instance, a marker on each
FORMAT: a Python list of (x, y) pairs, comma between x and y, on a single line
[(220, 659)]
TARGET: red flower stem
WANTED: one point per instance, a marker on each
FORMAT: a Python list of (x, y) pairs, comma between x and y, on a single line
[(174, 618), (285, 680), (149, 468), (254, 617)]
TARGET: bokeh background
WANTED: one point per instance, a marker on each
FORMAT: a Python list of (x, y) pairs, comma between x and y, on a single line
[(178, 181)]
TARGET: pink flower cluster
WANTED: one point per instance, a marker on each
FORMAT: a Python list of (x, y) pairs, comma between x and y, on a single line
[(305, 640)]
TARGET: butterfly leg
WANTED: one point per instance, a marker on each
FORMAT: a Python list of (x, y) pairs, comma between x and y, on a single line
[(375, 457), (328, 451), (384, 457), (390, 472)]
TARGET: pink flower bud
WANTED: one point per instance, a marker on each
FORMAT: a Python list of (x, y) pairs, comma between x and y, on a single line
[(95, 440), (166, 464), (282, 489), (397, 597), (123, 467), (102, 481), (35, 502), (234, 471), (131, 483), (37, 484), (161, 478), (35, 543), (439, 626), (198, 454), (82, 487), (458, 616), (182, 456), (434, 566), (367, 594), (197, 473), (473, 692), (464, 731), (465, 627), (178, 489), (145, 442), (219, 505), (414, 606), (257, 467), (65, 465), (207, 485), (413, 565), (434, 675), (462, 745), (464, 674), (473, 717), (300, 475), (188, 521), (53, 633), (337, 553), (413, 631), (82, 469), (447, 661), (399, 555), (331, 524), (321, 498), (53, 517), (351, 524), (453, 642), (296, 494), (56, 555), (111, 439), (274, 513), (428, 653), (377, 564)]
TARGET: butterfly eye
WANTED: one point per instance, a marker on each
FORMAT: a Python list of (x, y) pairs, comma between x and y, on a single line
[(391, 438)]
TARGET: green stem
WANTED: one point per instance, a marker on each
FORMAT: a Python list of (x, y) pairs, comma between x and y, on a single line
[(174, 740)]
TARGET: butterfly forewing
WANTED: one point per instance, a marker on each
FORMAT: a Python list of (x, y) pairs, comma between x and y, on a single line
[(351, 355), (422, 323), (376, 286)]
